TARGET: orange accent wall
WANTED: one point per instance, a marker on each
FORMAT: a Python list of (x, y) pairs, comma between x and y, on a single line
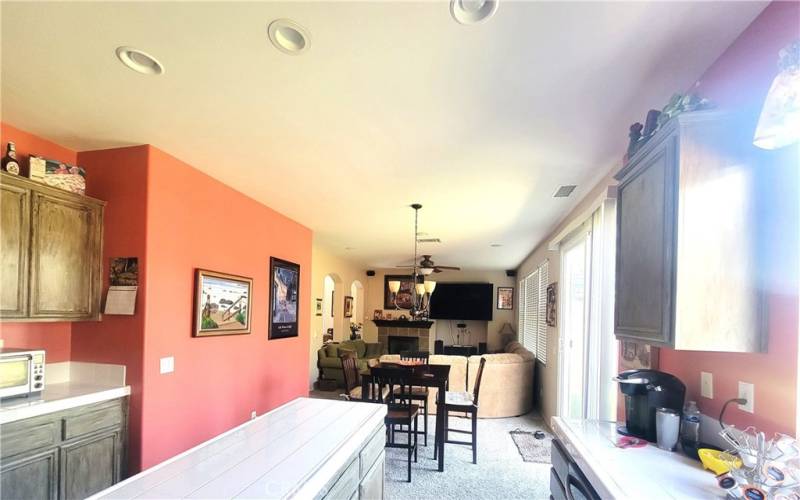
[(195, 221), (740, 79), (54, 337)]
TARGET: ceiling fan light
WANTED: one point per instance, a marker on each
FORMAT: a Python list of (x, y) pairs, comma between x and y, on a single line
[(425, 270), (420, 289), (394, 286), (430, 286)]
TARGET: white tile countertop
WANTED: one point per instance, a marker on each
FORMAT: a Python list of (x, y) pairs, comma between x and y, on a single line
[(291, 451), (69, 385), (635, 473)]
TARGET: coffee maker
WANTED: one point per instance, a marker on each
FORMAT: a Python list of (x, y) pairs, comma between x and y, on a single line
[(645, 391)]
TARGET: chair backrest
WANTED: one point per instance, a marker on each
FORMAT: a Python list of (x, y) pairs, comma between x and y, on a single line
[(477, 387), (349, 370), (391, 378), (415, 356)]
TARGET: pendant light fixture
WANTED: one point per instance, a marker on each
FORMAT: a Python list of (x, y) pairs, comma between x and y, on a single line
[(420, 290), (779, 123)]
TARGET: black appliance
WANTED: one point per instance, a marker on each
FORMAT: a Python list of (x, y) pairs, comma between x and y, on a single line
[(645, 391), (567, 481), (462, 301)]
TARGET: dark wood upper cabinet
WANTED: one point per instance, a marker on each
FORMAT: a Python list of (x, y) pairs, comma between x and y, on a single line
[(52, 253), (687, 261)]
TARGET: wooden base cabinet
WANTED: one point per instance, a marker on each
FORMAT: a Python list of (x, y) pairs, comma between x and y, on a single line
[(65, 455), (51, 251)]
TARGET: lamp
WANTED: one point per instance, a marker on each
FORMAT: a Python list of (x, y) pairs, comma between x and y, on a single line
[(420, 289), (779, 123), (430, 286), (394, 287), (425, 270), (506, 333)]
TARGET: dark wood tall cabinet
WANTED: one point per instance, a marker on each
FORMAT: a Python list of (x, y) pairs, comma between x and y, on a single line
[(51, 244), (687, 262)]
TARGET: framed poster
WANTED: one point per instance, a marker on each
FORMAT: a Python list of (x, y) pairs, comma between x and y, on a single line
[(333, 296), (348, 306), (552, 311), (505, 297), (318, 308), (403, 296), (221, 304), (284, 298)]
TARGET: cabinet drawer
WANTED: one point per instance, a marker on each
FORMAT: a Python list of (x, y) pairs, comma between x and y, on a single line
[(78, 425), (24, 436), (347, 483), (372, 450)]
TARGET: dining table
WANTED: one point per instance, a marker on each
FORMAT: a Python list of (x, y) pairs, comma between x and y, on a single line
[(423, 375)]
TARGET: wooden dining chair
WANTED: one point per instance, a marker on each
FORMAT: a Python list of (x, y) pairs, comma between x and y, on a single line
[(417, 393), (352, 379), (465, 402), (400, 412)]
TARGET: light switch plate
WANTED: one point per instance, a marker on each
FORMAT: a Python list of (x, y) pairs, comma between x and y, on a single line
[(252, 415), (167, 364), (748, 392), (1, 343), (707, 385)]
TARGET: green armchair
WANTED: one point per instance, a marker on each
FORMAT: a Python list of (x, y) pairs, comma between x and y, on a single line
[(330, 365)]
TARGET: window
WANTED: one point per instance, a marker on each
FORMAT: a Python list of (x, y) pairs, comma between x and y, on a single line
[(532, 311)]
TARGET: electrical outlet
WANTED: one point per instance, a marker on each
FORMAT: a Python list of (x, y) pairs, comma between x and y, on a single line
[(252, 415), (707, 385), (167, 365), (748, 392)]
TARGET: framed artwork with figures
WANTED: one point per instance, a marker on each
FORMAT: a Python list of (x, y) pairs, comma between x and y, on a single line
[(505, 297), (404, 295), (221, 304), (284, 298), (552, 310)]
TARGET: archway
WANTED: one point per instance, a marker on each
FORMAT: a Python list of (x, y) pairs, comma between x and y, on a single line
[(357, 292), (328, 296)]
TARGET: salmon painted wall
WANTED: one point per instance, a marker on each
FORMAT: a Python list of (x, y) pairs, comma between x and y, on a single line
[(740, 79), (194, 221), (54, 337), (120, 177)]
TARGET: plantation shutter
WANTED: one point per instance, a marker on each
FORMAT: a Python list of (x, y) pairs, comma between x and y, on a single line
[(531, 311), (541, 313)]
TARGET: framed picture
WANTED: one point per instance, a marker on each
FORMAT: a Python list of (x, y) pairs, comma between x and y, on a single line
[(332, 301), (403, 296), (284, 298), (552, 311), (318, 308), (377, 314), (505, 297), (221, 304), (348, 306)]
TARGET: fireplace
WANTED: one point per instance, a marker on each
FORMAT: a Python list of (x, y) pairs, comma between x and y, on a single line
[(400, 344)]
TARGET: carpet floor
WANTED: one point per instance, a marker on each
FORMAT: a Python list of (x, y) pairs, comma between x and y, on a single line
[(500, 472)]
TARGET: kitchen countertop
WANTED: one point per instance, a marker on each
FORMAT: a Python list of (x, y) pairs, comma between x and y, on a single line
[(647, 472), (291, 451), (60, 396)]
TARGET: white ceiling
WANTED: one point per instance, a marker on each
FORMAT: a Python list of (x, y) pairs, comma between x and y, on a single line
[(394, 103)]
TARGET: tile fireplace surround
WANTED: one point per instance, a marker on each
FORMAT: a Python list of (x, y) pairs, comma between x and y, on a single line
[(407, 329)]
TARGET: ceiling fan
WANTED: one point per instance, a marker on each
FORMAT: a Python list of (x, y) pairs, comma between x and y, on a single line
[(426, 266)]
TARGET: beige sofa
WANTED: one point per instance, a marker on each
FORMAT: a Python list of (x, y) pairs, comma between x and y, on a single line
[(507, 385)]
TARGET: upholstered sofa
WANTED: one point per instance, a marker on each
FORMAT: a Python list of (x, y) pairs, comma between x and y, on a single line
[(330, 365), (507, 384)]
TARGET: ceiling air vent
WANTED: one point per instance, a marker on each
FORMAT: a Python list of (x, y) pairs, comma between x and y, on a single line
[(564, 191), (428, 240)]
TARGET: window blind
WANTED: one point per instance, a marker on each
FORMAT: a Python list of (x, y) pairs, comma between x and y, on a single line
[(541, 316), (533, 312)]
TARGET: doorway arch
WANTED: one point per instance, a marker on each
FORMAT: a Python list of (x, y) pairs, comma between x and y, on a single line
[(357, 292)]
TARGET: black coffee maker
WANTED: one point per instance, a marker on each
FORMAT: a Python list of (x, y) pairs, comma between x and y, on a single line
[(645, 391)]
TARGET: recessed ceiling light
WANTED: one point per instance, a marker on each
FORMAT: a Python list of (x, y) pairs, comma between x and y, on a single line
[(472, 11), (139, 61), (349, 248), (288, 36)]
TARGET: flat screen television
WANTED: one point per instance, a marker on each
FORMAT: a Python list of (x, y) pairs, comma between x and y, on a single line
[(464, 301)]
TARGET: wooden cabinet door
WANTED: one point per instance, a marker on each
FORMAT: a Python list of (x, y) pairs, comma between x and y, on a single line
[(14, 246), (646, 211), (31, 476), (66, 242), (90, 465)]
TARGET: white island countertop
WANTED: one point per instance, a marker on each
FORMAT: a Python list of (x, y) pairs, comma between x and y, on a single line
[(638, 473), (295, 450)]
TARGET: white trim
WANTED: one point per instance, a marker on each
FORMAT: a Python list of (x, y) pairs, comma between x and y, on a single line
[(580, 219)]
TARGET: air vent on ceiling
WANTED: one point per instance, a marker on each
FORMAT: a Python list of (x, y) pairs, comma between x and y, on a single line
[(564, 191), (428, 240)]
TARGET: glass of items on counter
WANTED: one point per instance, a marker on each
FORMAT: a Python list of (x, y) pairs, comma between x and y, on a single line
[(760, 469)]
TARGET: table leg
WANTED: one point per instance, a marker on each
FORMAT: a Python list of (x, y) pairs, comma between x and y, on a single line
[(441, 414)]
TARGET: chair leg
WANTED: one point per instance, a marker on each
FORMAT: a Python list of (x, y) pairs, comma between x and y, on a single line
[(425, 423), (474, 437), (410, 450), (416, 438)]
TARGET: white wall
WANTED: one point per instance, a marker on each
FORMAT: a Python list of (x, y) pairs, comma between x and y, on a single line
[(343, 273), (481, 331)]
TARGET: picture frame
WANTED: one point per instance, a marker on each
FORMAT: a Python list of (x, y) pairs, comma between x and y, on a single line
[(377, 314), (552, 300), (284, 299), (348, 306), (505, 297), (333, 295), (318, 307), (222, 304), (404, 296)]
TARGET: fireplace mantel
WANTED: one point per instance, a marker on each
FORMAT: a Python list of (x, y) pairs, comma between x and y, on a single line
[(400, 323)]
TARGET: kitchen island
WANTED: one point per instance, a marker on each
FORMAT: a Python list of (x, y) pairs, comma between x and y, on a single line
[(307, 448), (613, 472)]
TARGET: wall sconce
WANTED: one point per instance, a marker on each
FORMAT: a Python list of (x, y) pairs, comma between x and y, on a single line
[(779, 123)]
